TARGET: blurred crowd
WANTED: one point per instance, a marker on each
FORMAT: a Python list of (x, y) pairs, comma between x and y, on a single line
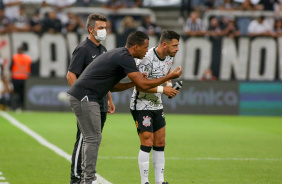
[(230, 25), (51, 17), (13, 18)]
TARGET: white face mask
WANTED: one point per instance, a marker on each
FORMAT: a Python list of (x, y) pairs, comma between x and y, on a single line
[(101, 34)]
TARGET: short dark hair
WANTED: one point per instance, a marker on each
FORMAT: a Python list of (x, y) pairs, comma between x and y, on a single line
[(262, 17), (136, 38), (92, 18), (20, 49), (168, 36)]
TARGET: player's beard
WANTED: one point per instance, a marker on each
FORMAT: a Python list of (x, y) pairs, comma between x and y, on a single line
[(172, 54)]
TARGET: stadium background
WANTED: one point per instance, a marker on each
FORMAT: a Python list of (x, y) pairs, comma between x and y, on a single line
[(248, 71), (243, 60)]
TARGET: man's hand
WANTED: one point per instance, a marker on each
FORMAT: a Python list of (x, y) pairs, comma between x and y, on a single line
[(144, 74), (112, 107), (169, 91), (176, 73)]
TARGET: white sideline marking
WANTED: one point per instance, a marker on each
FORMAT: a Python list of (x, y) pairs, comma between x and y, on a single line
[(198, 158), (3, 178), (44, 142)]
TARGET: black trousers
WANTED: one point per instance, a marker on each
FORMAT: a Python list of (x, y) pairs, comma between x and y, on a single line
[(76, 154), (18, 96)]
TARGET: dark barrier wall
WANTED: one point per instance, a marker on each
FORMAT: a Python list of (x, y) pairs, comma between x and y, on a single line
[(194, 98), (226, 98), (261, 98), (42, 94)]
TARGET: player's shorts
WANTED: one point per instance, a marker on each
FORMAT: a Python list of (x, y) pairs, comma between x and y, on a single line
[(148, 120)]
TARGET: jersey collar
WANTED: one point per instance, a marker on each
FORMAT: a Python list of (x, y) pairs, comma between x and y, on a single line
[(92, 43), (158, 55)]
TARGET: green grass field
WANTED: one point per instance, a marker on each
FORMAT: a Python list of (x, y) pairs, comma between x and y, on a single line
[(199, 149)]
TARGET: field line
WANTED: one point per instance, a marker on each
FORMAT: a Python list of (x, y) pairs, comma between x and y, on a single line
[(195, 158), (44, 142)]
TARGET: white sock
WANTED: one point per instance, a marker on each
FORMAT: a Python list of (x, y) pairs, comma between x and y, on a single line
[(143, 161), (159, 163)]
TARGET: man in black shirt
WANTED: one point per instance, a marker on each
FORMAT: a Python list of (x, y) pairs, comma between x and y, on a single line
[(266, 5), (97, 79), (82, 56), (51, 23)]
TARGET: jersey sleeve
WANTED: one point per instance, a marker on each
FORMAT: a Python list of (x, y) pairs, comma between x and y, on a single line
[(128, 64), (145, 65), (77, 60)]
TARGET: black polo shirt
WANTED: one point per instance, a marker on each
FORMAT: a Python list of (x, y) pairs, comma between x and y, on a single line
[(82, 56), (103, 74)]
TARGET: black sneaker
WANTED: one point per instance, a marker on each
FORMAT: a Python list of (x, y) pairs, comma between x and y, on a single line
[(75, 182), (147, 183), (165, 183)]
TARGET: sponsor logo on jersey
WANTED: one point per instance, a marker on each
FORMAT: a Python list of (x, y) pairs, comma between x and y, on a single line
[(147, 121), (169, 63)]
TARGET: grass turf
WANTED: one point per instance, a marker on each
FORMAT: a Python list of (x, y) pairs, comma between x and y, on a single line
[(193, 144)]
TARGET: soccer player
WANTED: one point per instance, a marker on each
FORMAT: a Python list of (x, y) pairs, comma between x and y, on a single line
[(82, 56), (96, 81), (147, 109)]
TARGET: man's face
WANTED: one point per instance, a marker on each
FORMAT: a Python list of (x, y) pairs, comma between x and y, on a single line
[(260, 20), (214, 22), (172, 47), (52, 15), (22, 11), (99, 25), (141, 50), (194, 16)]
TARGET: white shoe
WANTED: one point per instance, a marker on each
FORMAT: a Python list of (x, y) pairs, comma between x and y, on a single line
[(94, 182)]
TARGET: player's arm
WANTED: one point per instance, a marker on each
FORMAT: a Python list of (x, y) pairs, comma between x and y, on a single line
[(144, 84), (71, 78), (122, 86), (167, 90), (168, 83), (111, 105)]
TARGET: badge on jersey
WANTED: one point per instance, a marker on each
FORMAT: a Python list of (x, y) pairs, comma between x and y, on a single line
[(147, 121)]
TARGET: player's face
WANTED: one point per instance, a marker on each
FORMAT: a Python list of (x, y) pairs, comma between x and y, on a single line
[(172, 47), (142, 49)]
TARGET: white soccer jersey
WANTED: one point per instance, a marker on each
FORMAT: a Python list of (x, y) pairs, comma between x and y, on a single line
[(155, 68)]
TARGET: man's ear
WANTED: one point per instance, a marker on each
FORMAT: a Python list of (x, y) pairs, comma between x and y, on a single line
[(135, 47), (90, 29), (164, 44)]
